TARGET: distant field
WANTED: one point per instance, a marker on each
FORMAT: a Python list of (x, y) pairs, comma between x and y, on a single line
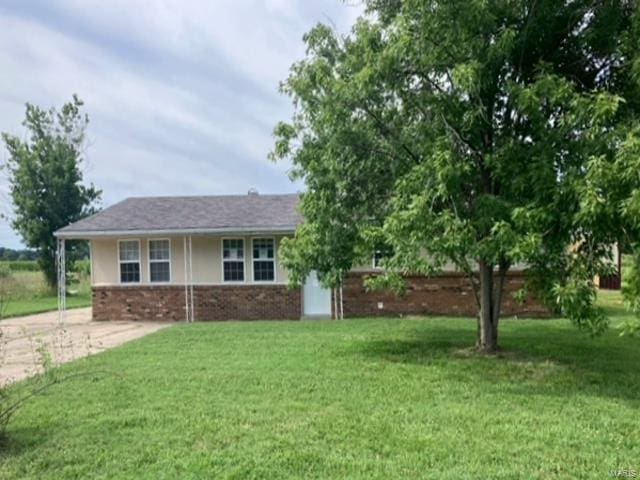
[(27, 292), (21, 265)]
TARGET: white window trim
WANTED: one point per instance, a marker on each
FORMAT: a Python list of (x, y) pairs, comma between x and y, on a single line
[(253, 260), (149, 261), (244, 260), (120, 262)]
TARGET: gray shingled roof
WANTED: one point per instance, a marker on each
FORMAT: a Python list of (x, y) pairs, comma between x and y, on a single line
[(203, 214)]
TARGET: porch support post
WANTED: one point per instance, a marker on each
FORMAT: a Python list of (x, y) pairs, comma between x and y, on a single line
[(341, 303), (62, 280), (192, 309), (186, 284)]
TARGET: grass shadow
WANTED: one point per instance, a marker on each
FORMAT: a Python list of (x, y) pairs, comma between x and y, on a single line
[(549, 358), (17, 440)]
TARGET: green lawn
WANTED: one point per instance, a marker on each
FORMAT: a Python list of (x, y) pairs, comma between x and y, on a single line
[(339, 399), (27, 293)]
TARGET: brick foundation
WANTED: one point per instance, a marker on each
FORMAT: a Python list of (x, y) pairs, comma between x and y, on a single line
[(211, 302), (446, 294)]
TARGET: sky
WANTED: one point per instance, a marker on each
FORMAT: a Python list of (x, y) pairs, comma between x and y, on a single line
[(182, 96)]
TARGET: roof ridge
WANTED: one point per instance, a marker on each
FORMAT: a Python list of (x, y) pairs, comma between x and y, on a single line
[(231, 195)]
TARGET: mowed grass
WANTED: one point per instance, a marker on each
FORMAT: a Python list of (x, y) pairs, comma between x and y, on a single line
[(26, 292), (369, 398)]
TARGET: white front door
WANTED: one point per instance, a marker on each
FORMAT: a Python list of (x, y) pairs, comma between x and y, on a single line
[(316, 298)]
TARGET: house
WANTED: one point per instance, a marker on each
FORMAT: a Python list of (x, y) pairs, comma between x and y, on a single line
[(216, 258)]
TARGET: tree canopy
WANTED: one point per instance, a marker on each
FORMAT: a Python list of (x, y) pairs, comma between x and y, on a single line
[(486, 134), (45, 178)]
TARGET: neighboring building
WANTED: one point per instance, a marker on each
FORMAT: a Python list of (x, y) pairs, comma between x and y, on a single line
[(216, 258), (614, 280)]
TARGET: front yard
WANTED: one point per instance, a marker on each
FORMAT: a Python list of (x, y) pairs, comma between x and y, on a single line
[(347, 399)]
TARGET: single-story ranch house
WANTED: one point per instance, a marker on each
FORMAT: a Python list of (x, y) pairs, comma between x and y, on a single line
[(216, 258)]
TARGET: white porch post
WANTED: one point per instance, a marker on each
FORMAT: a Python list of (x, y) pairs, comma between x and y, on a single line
[(188, 279), (62, 280), (192, 310), (187, 304)]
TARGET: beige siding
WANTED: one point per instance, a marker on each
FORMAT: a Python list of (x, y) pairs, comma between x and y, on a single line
[(104, 256), (206, 260), (281, 274)]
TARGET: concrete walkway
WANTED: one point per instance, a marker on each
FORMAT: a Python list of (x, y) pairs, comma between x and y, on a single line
[(23, 337)]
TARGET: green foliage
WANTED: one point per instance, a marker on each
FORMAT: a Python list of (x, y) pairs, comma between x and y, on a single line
[(5, 271), (483, 134), (46, 180), (9, 254), (21, 265), (26, 293), (631, 293)]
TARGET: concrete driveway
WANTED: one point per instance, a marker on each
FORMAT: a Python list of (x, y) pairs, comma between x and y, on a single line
[(23, 338)]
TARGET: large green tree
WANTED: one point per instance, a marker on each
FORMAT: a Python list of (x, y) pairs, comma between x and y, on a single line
[(45, 178), (480, 133)]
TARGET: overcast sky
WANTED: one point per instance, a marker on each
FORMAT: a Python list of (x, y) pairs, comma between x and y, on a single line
[(182, 95)]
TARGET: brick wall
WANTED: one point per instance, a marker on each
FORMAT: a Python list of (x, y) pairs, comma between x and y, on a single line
[(214, 302), (446, 294)]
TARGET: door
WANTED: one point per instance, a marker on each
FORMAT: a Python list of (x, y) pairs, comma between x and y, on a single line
[(316, 298)]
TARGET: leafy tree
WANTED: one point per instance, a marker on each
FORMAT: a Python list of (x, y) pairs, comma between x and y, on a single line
[(46, 180), (480, 133)]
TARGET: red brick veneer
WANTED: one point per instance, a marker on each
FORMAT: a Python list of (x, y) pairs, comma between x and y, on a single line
[(446, 294), (211, 302)]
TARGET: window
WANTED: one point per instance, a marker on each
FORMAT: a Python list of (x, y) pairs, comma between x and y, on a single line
[(159, 261), (380, 254), (233, 259), (129, 260), (377, 259), (264, 264)]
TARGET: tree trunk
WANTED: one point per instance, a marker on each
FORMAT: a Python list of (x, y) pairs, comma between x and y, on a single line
[(489, 309)]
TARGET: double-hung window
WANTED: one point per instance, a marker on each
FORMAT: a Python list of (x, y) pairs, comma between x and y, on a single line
[(264, 262), (159, 261), (233, 259), (129, 261)]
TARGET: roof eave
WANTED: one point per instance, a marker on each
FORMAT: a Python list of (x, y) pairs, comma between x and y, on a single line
[(90, 234)]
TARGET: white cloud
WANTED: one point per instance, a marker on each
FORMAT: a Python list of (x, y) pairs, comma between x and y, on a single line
[(182, 96)]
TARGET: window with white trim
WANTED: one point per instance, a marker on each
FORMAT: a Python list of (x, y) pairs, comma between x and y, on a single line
[(233, 259), (264, 262), (159, 261), (129, 261)]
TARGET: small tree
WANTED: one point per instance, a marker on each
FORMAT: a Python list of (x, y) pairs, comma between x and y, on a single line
[(480, 134), (46, 179)]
